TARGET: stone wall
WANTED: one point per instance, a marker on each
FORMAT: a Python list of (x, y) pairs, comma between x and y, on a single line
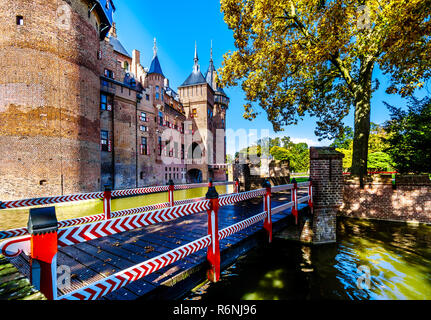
[(408, 200), (251, 177)]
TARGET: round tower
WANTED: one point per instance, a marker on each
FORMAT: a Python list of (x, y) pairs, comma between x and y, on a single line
[(50, 96)]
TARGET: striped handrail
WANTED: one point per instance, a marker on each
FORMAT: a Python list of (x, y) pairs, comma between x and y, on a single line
[(12, 204)]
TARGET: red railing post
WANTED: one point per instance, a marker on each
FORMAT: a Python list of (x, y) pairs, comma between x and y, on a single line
[(171, 192), (295, 200), (42, 226), (310, 195), (236, 188), (267, 224), (107, 201), (213, 253)]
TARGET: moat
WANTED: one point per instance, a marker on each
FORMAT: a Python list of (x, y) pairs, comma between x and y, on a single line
[(398, 256)]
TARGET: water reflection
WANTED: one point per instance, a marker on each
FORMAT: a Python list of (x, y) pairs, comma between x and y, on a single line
[(398, 257)]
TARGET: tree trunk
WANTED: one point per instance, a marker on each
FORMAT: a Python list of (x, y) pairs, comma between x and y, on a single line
[(362, 126)]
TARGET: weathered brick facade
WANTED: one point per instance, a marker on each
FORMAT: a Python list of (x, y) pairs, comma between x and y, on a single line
[(379, 199), (49, 98)]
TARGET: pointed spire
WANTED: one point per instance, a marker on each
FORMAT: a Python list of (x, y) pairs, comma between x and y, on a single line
[(196, 59), (155, 47), (210, 78), (155, 64)]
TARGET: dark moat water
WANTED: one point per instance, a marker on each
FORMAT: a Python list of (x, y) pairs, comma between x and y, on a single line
[(371, 260)]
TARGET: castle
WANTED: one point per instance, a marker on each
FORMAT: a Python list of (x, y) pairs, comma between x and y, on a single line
[(78, 112)]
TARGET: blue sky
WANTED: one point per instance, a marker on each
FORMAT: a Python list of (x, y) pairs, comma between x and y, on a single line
[(178, 24)]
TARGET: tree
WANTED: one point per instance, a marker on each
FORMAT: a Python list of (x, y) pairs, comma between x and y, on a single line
[(343, 141), (280, 153), (409, 136), (379, 161), (296, 153), (377, 145), (318, 57)]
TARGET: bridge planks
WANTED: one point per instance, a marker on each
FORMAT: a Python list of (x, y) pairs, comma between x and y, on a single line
[(95, 259)]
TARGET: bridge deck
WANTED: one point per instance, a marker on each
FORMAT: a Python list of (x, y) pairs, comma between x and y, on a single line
[(95, 259)]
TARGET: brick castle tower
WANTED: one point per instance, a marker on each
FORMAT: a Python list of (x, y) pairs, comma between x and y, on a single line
[(49, 95)]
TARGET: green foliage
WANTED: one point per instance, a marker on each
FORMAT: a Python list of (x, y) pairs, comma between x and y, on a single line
[(409, 136), (280, 153), (296, 153), (378, 159), (344, 139)]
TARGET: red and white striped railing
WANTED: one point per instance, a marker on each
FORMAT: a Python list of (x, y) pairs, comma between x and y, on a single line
[(11, 233), (125, 220), (120, 279), (98, 195)]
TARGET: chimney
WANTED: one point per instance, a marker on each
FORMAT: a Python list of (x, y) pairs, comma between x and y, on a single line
[(136, 60), (113, 30)]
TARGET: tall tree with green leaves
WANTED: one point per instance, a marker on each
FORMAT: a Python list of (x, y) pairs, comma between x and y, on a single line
[(409, 136), (318, 57)]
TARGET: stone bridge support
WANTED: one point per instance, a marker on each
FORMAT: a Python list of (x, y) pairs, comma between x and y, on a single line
[(326, 172)]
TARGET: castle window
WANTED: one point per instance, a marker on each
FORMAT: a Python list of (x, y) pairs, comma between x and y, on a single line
[(126, 66), (143, 128), (104, 136), (144, 146), (157, 96), (109, 73), (142, 175), (147, 97), (105, 102), (144, 117), (19, 20), (160, 145)]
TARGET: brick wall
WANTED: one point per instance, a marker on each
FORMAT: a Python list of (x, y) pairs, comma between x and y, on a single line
[(327, 179), (49, 99), (410, 200)]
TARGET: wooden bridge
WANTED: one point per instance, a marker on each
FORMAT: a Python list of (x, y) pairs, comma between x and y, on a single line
[(132, 253)]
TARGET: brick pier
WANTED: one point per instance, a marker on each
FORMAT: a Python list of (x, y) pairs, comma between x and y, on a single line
[(326, 173)]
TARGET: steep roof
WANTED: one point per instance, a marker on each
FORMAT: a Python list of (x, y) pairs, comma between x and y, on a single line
[(155, 66), (196, 77), (118, 47)]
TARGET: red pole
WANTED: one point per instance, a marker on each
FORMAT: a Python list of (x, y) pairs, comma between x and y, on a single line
[(42, 226), (171, 192), (310, 195), (267, 224), (213, 253), (236, 190), (107, 202), (295, 200)]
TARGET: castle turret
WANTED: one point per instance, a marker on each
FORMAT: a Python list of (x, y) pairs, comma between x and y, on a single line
[(50, 96)]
